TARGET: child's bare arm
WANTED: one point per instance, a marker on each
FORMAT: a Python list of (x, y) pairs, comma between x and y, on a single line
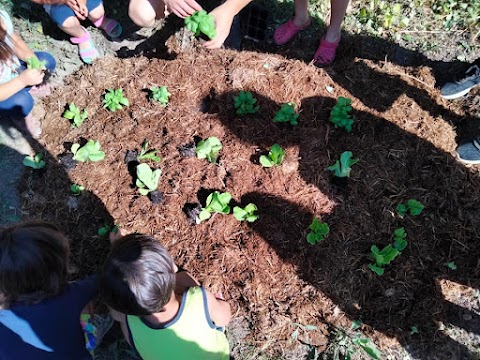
[(20, 48), (50, 2), (121, 318), (220, 311)]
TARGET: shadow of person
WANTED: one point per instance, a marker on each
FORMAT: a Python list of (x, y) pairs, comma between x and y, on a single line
[(395, 165), (46, 195)]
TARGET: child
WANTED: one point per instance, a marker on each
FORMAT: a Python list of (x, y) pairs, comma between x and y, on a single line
[(39, 310), (327, 49), (16, 80), (163, 314), (67, 14)]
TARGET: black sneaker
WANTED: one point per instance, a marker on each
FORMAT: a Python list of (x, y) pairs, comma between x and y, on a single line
[(469, 153), (461, 87)]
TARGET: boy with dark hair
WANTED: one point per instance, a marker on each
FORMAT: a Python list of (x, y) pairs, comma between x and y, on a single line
[(164, 314)]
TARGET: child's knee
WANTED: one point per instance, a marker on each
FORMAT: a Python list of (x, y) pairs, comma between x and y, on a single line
[(143, 16), (70, 22), (96, 13)]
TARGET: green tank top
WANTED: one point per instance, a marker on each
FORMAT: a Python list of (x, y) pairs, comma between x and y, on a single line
[(191, 335)]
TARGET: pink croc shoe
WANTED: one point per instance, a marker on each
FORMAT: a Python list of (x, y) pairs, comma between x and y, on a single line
[(325, 53), (287, 31)]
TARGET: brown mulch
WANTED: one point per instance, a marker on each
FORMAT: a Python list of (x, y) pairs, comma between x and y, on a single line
[(404, 137)]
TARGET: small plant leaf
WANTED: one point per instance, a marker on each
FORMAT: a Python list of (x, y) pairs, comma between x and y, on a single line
[(245, 103), (286, 114), (415, 207), (368, 347), (160, 94), (343, 168), (77, 189), (35, 162), (209, 149), (451, 265), (275, 156), (248, 213)]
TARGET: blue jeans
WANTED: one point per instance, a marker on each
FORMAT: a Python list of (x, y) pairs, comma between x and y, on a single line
[(60, 13), (21, 103)]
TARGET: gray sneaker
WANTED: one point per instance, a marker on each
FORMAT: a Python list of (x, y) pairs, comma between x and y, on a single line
[(459, 88), (469, 153)]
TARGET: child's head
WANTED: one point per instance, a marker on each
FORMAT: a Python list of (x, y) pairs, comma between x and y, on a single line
[(138, 277), (33, 263)]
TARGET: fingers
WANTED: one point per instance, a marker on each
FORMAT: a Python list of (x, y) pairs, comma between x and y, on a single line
[(194, 5), (216, 43)]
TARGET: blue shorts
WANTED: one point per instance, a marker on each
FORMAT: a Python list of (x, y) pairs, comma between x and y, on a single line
[(60, 13)]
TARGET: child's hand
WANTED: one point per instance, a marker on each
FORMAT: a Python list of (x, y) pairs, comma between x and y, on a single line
[(182, 8), (115, 235), (223, 16), (79, 8), (31, 77)]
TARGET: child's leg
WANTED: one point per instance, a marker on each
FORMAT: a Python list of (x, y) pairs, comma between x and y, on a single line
[(98, 18), (145, 12), (301, 13), (19, 107), (300, 21), (337, 14)]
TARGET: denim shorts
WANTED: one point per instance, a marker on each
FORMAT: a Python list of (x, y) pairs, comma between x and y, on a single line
[(60, 13)]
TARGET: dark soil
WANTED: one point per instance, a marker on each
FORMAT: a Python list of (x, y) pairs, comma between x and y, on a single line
[(404, 139)]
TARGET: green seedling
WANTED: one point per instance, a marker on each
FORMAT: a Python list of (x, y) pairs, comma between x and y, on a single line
[(412, 207), (147, 179), (201, 22), (77, 189), (34, 63), (209, 149), (318, 231), (160, 94), (414, 330), (388, 253), (451, 265), (248, 213), (340, 115), (88, 152), (343, 168), (245, 103), (74, 114), (216, 203), (146, 154), (346, 343), (107, 229), (275, 156), (399, 236), (114, 100), (35, 162), (287, 114)]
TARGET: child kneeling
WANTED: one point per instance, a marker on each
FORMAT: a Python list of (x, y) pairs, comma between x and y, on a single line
[(164, 314)]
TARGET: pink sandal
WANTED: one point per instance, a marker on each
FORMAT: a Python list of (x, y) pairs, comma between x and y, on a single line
[(325, 53), (111, 27), (88, 54), (287, 31)]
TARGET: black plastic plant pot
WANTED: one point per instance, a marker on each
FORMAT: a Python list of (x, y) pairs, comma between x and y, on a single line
[(156, 197), (187, 150), (66, 160), (192, 211), (340, 184), (130, 155)]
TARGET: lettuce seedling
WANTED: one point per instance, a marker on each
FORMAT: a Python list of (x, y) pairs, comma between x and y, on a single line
[(287, 114), (247, 213), (318, 231), (77, 189), (114, 100), (201, 22), (35, 162), (73, 113), (160, 94), (399, 236), (340, 115), (388, 253), (88, 152), (34, 63), (216, 203), (245, 103), (412, 207), (209, 149), (342, 168), (147, 179), (107, 229), (275, 156), (146, 154)]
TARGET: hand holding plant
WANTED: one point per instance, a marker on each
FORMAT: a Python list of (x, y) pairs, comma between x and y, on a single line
[(201, 22), (34, 63)]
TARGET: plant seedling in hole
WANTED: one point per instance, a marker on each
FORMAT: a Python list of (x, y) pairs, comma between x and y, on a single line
[(107, 229), (73, 113), (275, 156), (349, 341), (245, 103), (114, 100), (34, 63), (340, 115), (160, 94), (248, 213), (77, 189), (88, 152), (318, 231), (209, 149), (146, 154), (388, 253), (343, 168), (399, 236), (35, 162), (201, 22), (412, 207), (216, 203), (147, 179), (287, 114)]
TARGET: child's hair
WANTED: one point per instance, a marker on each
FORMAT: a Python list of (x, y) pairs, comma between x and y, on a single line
[(33, 263), (6, 52), (138, 276)]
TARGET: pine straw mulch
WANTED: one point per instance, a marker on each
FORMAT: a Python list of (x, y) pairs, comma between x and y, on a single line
[(267, 271)]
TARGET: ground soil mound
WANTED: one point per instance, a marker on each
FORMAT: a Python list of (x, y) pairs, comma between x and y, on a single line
[(273, 278)]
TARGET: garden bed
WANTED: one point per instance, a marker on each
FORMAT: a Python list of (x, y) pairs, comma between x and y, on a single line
[(403, 137)]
